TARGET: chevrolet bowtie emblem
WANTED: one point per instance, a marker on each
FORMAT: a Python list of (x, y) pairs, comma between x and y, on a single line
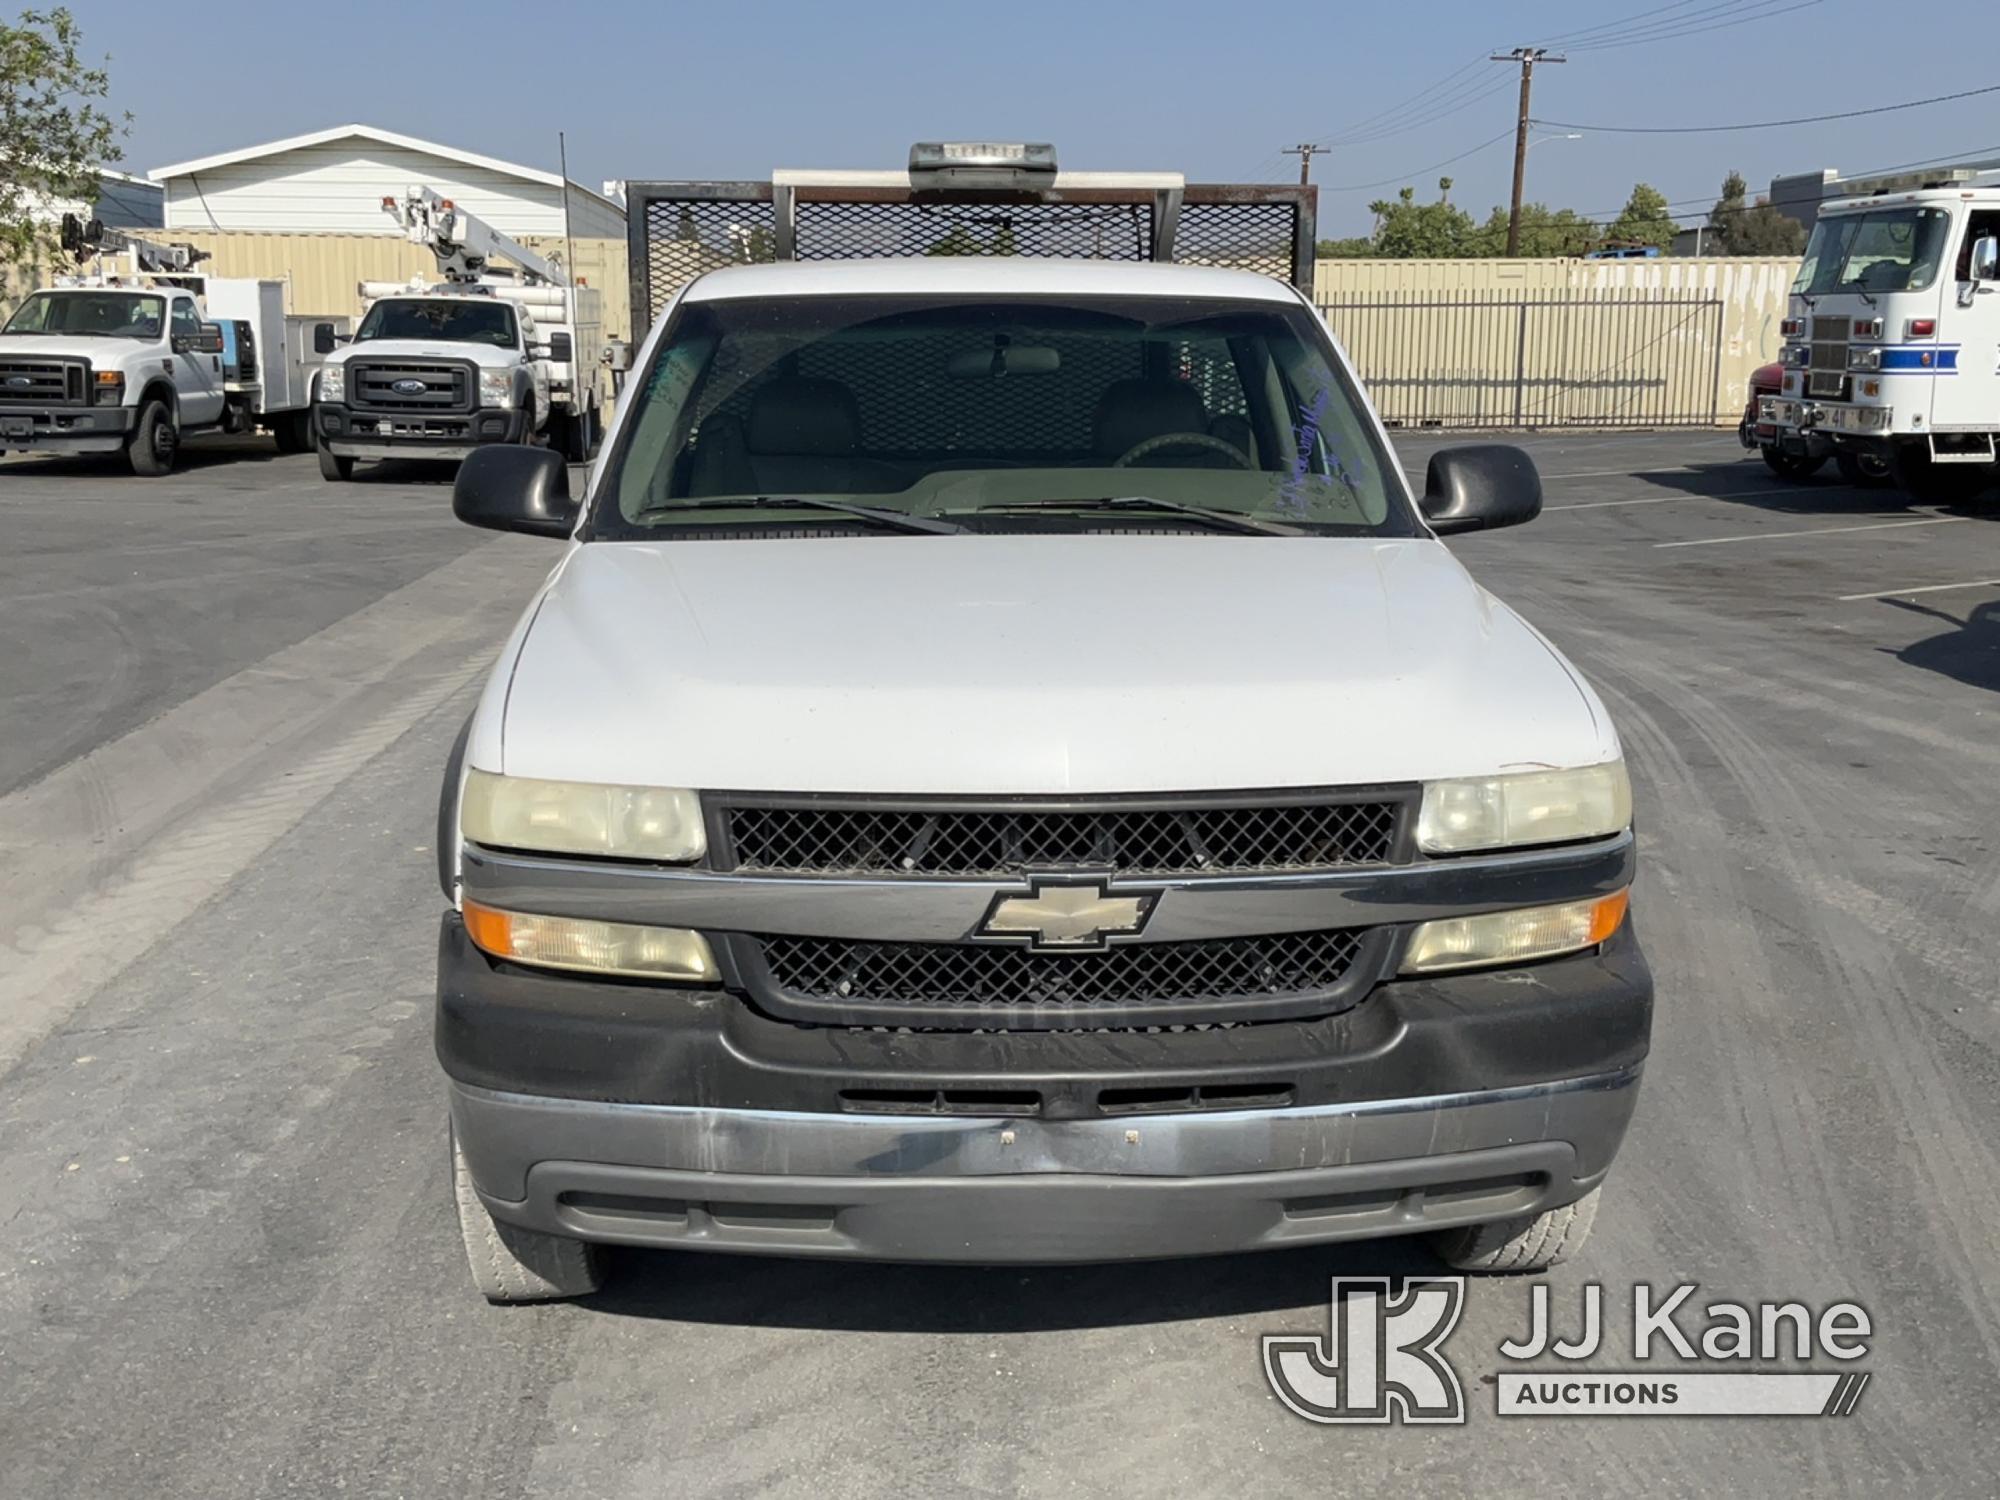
[(1067, 917)]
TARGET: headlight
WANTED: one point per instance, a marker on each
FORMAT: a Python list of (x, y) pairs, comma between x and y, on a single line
[(333, 382), (594, 947), (578, 817), (496, 387), (110, 387), (1536, 807), (1513, 937), (1864, 359)]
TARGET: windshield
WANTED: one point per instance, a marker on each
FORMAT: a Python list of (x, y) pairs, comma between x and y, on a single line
[(967, 407), (437, 319), (1893, 250), (104, 315)]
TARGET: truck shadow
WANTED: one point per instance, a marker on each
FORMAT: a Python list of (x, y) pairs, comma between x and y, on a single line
[(1968, 652), (196, 454), (1747, 483), (849, 1296)]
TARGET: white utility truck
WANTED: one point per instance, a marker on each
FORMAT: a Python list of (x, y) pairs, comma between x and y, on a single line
[(1003, 768), (1892, 342), (143, 350), (486, 356)]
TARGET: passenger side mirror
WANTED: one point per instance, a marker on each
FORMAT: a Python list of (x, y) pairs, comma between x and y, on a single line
[(512, 487), (1480, 487), (322, 338), (560, 348), (1986, 258)]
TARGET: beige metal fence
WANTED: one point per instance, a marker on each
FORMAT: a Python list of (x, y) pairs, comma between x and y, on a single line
[(1557, 342)]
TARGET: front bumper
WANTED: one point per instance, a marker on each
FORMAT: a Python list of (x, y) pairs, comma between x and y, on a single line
[(347, 432), (634, 1114), (1823, 422), (1026, 1191), (71, 429)]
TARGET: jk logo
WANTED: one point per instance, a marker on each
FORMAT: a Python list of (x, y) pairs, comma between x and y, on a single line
[(1380, 1361)]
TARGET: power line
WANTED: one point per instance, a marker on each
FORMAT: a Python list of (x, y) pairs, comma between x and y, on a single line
[(1846, 114), (1403, 178), (1610, 43), (1444, 108)]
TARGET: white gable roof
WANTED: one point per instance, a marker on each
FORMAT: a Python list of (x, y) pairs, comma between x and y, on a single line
[(370, 133)]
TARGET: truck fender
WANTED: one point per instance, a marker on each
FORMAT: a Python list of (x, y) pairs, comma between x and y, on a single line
[(163, 390)]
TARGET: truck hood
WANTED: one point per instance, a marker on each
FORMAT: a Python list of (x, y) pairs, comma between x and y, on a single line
[(103, 353), (483, 355), (1033, 664)]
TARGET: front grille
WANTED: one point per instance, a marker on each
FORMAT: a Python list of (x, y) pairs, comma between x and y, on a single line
[(44, 382), (1186, 837), (970, 985), (446, 387)]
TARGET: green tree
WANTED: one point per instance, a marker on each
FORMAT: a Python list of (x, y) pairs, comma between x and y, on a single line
[(958, 241), (1644, 220), (1544, 232), (1408, 230), (1360, 247), (1738, 227), (53, 134)]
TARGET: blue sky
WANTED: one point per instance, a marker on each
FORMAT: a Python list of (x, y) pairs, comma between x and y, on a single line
[(1212, 90)]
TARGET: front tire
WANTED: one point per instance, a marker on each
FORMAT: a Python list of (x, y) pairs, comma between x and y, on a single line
[(1532, 1242), (332, 468), (293, 432), (511, 1264), (155, 442), (1789, 465), (1861, 469)]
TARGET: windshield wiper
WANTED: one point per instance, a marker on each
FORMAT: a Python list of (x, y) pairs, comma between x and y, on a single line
[(878, 514), (1228, 520)]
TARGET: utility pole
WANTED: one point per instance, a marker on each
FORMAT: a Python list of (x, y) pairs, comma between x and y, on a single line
[(1527, 57), (1305, 151)]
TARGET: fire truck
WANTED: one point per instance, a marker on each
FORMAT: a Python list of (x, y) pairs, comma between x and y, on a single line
[(1892, 342)]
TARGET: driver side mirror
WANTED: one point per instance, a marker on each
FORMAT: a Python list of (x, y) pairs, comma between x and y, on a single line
[(323, 338), (513, 487), (1986, 258), (1480, 487)]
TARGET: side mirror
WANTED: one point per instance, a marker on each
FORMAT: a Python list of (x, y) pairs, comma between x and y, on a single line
[(322, 338), (209, 340), (512, 487), (561, 349), (1480, 487), (1986, 258)]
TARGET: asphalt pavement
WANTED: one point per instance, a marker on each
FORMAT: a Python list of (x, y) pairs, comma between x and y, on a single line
[(228, 1263)]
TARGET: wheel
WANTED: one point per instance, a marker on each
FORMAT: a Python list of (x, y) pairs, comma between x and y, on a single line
[(1789, 465), (293, 432), (511, 1264), (1861, 468), (1532, 1242), (155, 442), (332, 468), (1940, 484)]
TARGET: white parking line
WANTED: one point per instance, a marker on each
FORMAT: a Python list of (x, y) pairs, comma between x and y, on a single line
[(1929, 588), (1787, 489), (1772, 536)]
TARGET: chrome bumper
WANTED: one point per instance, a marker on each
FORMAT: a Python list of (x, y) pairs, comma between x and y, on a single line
[(991, 1189)]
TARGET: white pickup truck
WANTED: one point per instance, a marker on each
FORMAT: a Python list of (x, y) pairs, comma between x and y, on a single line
[(434, 373), (132, 365), (1004, 769)]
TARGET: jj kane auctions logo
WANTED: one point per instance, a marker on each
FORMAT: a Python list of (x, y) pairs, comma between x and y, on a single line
[(1382, 1357)]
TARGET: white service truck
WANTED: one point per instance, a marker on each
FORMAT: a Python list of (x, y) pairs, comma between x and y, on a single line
[(435, 370), (133, 360), (1892, 343)]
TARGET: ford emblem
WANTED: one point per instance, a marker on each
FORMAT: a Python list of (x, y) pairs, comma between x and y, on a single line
[(409, 387), (22, 381)]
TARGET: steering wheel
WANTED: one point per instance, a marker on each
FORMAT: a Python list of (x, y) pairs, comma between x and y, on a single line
[(1182, 440)]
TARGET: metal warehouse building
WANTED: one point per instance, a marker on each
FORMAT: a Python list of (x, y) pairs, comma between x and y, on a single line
[(333, 181)]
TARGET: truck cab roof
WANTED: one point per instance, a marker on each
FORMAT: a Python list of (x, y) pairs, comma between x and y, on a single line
[(986, 276)]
